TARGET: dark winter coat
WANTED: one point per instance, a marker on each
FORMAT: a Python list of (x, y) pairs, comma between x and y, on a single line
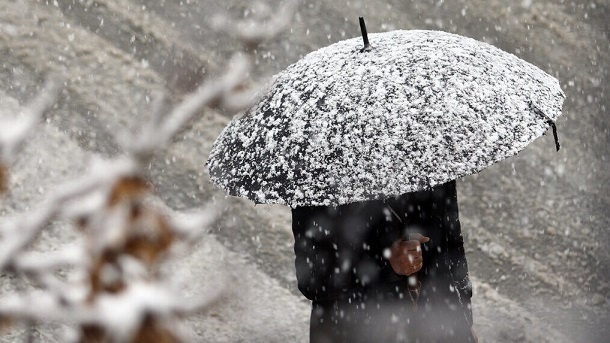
[(355, 294)]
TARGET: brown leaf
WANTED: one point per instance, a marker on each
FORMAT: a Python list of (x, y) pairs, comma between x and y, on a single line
[(3, 179), (128, 188), (108, 259), (92, 333), (149, 331), (152, 331), (5, 322), (150, 235)]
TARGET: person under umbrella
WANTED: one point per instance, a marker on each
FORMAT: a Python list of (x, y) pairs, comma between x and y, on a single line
[(353, 262), (365, 145)]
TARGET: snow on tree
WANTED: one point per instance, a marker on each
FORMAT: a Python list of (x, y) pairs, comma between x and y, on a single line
[(111, 287)]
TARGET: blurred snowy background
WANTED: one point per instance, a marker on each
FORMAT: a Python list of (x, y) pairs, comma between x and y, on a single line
[(536, 225)]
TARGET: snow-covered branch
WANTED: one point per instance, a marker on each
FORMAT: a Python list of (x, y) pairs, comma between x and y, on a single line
[(250, 31), (15, 130), (214, 93), (110, 288)]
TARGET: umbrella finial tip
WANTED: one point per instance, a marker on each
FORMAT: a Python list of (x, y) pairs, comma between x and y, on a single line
[(365, 36)]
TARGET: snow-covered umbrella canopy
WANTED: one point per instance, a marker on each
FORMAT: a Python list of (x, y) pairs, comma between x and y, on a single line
[(414, 110)]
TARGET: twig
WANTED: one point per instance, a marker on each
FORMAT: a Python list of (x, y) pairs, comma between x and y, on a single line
[(250, 32), (12, 135), (34, 222)]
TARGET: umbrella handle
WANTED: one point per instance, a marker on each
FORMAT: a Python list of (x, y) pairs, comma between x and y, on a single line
[(414, 283), (414, 286)]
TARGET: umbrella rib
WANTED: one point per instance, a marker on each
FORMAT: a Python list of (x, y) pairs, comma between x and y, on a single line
[(549, 120)]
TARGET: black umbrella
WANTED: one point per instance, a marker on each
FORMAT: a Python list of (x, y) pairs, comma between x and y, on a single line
[(409, 111)]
